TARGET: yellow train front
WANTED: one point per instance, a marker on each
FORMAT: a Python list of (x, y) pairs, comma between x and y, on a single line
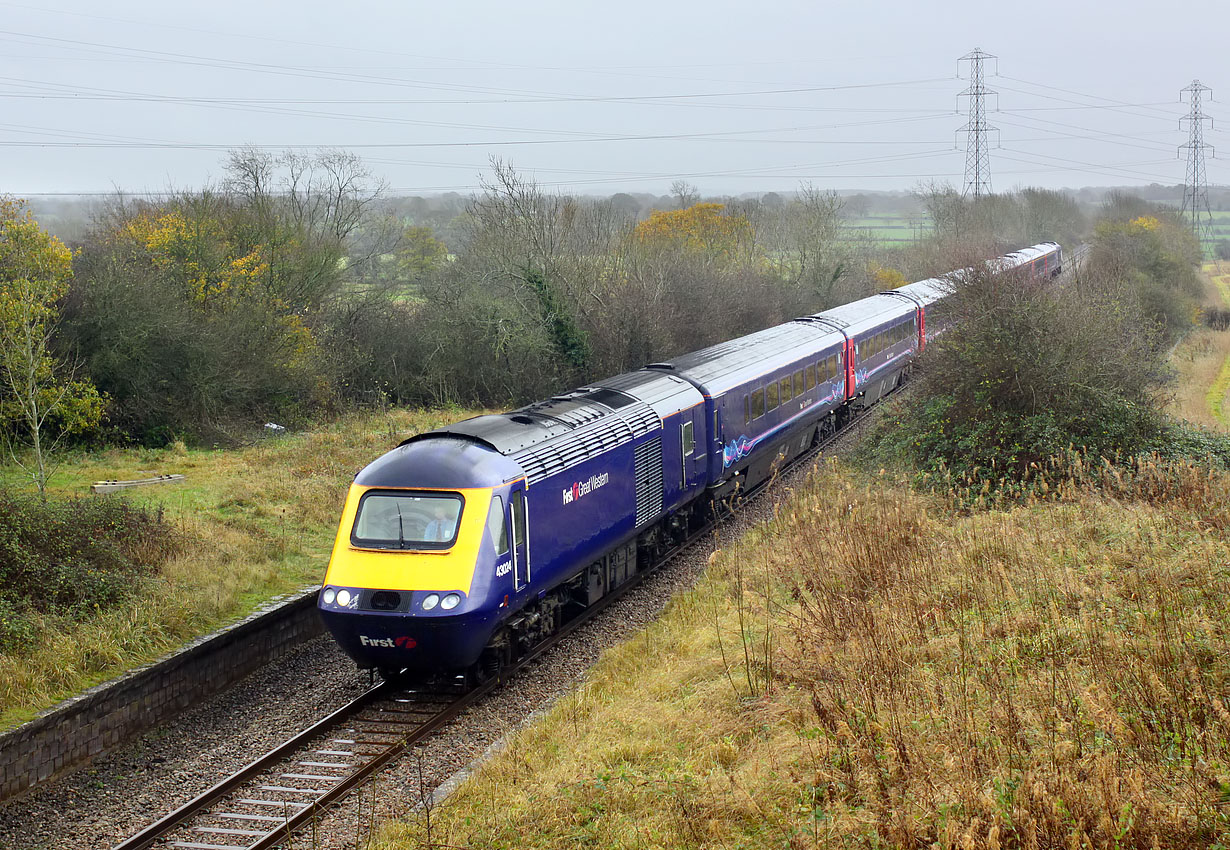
[(423, 564)]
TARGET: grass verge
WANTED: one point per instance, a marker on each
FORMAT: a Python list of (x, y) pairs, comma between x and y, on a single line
[(875, 669), (257, 522)]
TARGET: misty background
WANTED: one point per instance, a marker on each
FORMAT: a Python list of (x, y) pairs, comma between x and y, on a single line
[(598, 99)]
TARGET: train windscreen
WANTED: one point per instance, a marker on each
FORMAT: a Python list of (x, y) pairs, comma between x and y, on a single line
[(391, 520)]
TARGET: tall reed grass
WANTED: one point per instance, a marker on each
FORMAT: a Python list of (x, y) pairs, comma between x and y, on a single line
[(884, 667)]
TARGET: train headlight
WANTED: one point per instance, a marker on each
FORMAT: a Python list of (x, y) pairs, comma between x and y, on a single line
[(343, 598), (329, 595), (448, 603), (430, 601)]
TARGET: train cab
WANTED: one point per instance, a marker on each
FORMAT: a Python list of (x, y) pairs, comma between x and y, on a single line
[(427, 531)]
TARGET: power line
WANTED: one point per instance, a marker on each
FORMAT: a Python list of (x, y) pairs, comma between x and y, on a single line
[(977, 150)]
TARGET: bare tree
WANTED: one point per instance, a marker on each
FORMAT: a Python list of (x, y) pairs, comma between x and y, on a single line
[(685, 194)]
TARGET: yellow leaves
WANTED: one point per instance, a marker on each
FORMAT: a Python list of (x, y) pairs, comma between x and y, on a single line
[(198, 252), (34, 266), (1139, 226), (701, 228), (886, 278)]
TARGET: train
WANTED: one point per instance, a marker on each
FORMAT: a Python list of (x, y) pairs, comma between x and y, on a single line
[(464, 546)]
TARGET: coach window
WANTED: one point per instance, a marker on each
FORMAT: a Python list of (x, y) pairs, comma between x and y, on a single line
[(809, 376), (798, 383), (757, 404), (833, 363), (785, 382), (689, 440), (497, 527), (747, 410), (771, 396)]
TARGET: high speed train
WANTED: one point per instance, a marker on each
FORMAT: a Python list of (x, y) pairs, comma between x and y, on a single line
[(464, 546)]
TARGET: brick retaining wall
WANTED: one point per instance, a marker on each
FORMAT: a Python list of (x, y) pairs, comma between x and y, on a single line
[(76, 730)]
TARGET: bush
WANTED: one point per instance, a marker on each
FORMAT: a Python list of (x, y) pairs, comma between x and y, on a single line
[(71, 557), (1028, 371)]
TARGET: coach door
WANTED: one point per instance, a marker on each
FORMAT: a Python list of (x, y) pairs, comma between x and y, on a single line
[(521, 540), (692, 445)]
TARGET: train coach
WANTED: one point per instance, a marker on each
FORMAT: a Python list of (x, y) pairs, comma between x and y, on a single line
[(464, 546)]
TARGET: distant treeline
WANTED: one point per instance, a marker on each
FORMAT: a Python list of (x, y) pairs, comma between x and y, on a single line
[(292, 290)]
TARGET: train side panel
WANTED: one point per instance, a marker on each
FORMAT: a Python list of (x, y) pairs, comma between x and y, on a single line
[(779, 412), (579, 514)]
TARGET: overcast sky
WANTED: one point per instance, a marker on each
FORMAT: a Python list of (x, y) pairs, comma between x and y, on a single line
[(605, 97)]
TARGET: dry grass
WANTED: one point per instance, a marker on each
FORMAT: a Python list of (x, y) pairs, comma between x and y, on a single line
[(875, 670), (1202, 360), (261, 522)]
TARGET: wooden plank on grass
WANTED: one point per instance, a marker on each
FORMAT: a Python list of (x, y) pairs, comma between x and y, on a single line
[(112, 486)]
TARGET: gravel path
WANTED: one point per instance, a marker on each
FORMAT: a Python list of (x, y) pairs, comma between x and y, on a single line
[(123, 791)]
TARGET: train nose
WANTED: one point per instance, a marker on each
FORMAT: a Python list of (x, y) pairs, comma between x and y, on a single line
[(393, 641)]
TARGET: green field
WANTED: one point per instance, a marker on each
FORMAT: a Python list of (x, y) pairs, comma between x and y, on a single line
[(889, 229)]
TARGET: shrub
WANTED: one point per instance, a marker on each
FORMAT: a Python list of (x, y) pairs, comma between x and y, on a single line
[(1028, 370), (73, 556)]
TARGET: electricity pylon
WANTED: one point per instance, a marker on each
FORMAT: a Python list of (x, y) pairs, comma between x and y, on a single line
[(1196, 186), (977, 147)]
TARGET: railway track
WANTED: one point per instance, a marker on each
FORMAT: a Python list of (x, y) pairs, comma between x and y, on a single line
[(285, 791)]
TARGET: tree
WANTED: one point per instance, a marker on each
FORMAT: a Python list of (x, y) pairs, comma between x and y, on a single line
[(684, 193), (296, 214), (704, 229), (772, 201), (1027, 370), (34, 272), (625, 205), (420, 253)]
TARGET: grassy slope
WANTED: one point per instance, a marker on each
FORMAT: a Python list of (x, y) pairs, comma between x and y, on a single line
[(896, 674), (1202, 361), (260, 521)]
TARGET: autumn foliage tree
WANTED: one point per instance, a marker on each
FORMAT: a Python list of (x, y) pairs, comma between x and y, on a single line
[(705, 230), (214, 311), (39, 403), (1153, 257)]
